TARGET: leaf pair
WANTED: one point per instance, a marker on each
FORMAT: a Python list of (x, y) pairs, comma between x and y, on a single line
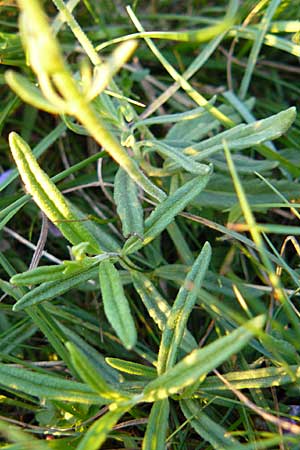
[(165, 212)]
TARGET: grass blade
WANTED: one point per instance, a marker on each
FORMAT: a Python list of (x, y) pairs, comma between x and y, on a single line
[(264, 25)]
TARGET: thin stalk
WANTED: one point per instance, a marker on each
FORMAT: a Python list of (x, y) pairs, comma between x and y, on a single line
[(255, 232)]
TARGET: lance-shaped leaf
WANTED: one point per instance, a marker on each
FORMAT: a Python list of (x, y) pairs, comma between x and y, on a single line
[(47, 196), (201, 361), (38, 275), (91, 375), (241, 137), (128, 205), (181, 310), (179, 158), (209, 430), (157, 427), (47, 386), (116, 305), (158, 308), (165, 212), (252, 379), (97, 433), (104, 73), (29, 93), (131, 367), (59, 272), (52, 289)]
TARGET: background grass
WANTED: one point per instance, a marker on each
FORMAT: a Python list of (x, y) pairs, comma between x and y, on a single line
[(248, 212)]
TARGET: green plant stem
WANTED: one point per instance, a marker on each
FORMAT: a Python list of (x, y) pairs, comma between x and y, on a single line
[(78, 33), (53, 69)]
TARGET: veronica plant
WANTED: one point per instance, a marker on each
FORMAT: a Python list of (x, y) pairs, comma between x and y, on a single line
[(179, 371)]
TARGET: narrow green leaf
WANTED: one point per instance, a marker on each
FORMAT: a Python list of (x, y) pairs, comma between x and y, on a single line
[(47, 386), (201, 35), (53, 289), (165, 212), (244, 164), (38, 150), (201, 361), (173, 118), (270, 39), (241, 136), (208, 429), (158, 308), (128, 205), (43, 320), (11, 210), (179, 158), (96, 358), (257, 238), (29, 93), (252, 379), (156, 432), (47, 196), (252, 60), (38, 275), (91, 375), (181, 309), (6, 287), (195, 95), (103, 73), (177, 235), (196, 129), (12, 102), (15, 337), (97, 433), (115, 303), (131, 367)]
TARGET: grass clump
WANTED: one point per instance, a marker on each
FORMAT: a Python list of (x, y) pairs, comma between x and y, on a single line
[(149, 291)]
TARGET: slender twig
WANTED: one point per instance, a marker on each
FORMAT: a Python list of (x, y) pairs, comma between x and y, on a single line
[(30, 245)]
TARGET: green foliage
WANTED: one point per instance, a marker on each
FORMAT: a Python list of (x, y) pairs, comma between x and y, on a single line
[(115, 304), (164, 277)]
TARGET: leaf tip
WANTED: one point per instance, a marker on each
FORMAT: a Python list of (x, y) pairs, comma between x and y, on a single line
[(256, 324), (17, 307), (13, 138)]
